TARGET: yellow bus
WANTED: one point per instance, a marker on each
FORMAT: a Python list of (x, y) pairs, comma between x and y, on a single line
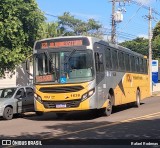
[(82, 73)]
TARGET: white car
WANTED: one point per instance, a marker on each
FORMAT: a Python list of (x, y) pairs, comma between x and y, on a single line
[(16, 100)]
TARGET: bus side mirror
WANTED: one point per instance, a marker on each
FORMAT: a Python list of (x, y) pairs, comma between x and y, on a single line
[(28, 67)]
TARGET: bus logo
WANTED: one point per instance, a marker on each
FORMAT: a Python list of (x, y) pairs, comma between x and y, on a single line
[(63, 79), (129, 78)]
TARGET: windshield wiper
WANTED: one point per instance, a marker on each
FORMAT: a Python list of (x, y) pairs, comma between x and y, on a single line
[(67, 58), (51, 61)]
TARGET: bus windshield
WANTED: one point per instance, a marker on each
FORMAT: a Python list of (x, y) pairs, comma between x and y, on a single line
[(64, 67)]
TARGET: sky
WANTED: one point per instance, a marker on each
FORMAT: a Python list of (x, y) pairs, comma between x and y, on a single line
[(134, 24)]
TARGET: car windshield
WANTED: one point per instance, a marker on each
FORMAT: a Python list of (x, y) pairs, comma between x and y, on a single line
[(7, 92), (64, 67)]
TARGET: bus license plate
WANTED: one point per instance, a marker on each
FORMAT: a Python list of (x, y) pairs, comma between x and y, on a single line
[(61, 106)]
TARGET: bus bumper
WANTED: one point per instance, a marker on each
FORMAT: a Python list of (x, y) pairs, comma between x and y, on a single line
[(82, 106)]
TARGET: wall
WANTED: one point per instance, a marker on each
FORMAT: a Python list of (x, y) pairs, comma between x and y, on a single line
[(19, 78)]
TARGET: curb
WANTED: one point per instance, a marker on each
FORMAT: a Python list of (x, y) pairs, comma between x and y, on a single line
[(157, 93)]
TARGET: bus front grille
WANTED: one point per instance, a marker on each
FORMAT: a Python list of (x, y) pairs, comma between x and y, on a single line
[(61, 104), (64, 89)]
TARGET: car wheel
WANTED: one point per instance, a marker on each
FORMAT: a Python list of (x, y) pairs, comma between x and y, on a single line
[(8, 113)]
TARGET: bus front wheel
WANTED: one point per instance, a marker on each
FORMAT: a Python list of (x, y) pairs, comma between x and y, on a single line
[(108, 109), (60, 115), (38, 113)]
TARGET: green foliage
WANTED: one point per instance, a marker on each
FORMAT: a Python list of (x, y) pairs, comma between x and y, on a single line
[(73, 26), (156, 30), (139, 45), (20, 22), (156, 41), (51, 30)]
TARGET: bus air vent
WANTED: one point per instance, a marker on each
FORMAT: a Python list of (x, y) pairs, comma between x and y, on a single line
[(64, 89)]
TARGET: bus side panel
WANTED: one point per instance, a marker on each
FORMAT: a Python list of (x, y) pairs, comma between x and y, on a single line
[(131, 82), (111, 80)]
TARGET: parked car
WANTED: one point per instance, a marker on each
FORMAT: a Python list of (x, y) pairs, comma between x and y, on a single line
[(16, 100)]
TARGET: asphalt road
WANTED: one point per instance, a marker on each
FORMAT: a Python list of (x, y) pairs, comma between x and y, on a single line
[(126, 122)]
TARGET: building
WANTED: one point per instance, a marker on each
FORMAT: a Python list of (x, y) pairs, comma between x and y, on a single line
[(19, 77)]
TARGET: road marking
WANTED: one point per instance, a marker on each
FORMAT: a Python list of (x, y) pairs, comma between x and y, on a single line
[(107, 125), (141, 117)]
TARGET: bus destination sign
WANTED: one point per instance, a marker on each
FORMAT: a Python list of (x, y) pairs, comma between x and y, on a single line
[(58, 43), (45, 78), (45, 45)]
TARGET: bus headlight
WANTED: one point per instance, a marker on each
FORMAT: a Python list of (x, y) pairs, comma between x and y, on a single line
[(88, 94), (38, 98)]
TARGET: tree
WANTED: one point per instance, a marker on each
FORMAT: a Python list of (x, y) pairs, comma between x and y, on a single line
[(51, 29), (75, 26), (156, 40), (139, 45), (156, 30), (20, 22)]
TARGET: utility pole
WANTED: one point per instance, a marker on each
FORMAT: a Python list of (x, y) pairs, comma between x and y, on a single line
[(150, 47), (114, 21), (113, 33)]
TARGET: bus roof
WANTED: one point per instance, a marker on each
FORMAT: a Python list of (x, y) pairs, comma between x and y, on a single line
[(61, 37), (116, 46)]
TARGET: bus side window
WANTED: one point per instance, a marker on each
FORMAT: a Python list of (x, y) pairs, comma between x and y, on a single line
[(108, 58), (127, 62), (141, 65), (137, 64), (121, 61), (99, 62), (132, 63), (145, 66), (114, 59)]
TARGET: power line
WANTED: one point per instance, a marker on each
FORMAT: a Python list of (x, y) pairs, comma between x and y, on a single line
[(131, 17), (51, 15), (146, 7)]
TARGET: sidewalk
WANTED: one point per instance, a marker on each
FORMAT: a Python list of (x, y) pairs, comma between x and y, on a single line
[(156, 89)]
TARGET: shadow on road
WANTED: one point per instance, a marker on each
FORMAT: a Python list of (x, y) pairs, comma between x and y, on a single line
[(77, 115), (98, 130)]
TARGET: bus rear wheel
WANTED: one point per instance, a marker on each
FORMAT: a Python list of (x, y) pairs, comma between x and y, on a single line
[(138, 98)]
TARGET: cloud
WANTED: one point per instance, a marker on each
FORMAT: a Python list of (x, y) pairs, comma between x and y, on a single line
[(87, 16), (143, 36)]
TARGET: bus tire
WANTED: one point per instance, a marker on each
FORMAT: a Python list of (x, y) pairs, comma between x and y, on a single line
[(60, 115), (8, 113), (138, 99), (108, 109), (38, 113)]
